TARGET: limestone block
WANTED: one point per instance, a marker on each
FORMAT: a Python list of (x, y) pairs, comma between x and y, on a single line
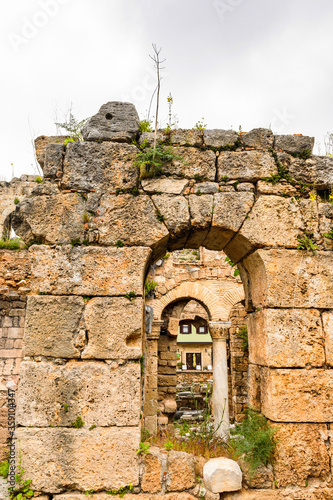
[(245, 166), (245, 186), (217, 138), (222, 474), (293, 144), (276, 221), (230, 210), (290, 278), (114, 328), (181, 471), (130, 219), (201, 212), (258, 138), (152, 476), (104, 167), (327, 317), (261, 478), (54, 157), (101, 394), (297, 395), (129, 496), (253, 387), (164, 185), (280, 188), (310, 493), (300, 453), (316, 170), (102, 459), (176, 214), (52, 326), (325, 209), (41, 144), (206, 188), (98, 271), (181, 137), (52, 219), (285, 338), (194, 164), (115, 121)]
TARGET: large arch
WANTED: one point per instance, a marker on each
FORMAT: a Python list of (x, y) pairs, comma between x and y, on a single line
[(219, 309)]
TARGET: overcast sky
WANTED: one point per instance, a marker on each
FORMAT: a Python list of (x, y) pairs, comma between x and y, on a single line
[(248, 63)]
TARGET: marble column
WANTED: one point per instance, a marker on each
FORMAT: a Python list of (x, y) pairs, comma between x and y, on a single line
[(219, 331)]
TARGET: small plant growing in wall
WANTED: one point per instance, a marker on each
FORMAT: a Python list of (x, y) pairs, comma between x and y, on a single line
[(131, 296), (22, 489), (253, 438), (38, 179), (329, 235), (242, 334), (16, 201), (159, 216), (119, 244), (168, 445), (307, 243), (145, 126), (200, 125), (78, 423), (150, 286), (232, 264), (121, 492), (143, 449)]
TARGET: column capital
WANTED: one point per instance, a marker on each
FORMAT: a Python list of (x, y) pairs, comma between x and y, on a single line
[(219, 329), (155, 330)]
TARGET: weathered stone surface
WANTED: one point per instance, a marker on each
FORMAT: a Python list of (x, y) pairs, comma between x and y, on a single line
[(301, 453), (165, 185), (316, 170), (201, 212), (181, 471), (286, 338), (206, 187), (310, 493), (99, 271), (327, 317), (104, 167), (181, 137), (245, 186), (51, 219), (52, 326), (130, 219), (297, 395), (253, 386), (230, 210), (79, 459), (41, 144), (222, 474), (101, 394), (152, 476), (290, 278), (54, 157), (114, 328), (275, 221), (245, 166), (325, 209), (280, 188), (115, 121), (258, 138), (176, 214), (194, 164), (216, 138), (129, 496), (262, 477), (293, 144)]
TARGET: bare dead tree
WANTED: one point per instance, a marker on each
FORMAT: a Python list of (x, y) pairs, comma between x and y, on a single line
[(156, 58)]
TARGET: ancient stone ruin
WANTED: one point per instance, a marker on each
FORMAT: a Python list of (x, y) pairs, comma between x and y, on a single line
[(86, 381)]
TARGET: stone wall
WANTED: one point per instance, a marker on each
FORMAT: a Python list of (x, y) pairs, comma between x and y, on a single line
[(87, 200), (10, 194)]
